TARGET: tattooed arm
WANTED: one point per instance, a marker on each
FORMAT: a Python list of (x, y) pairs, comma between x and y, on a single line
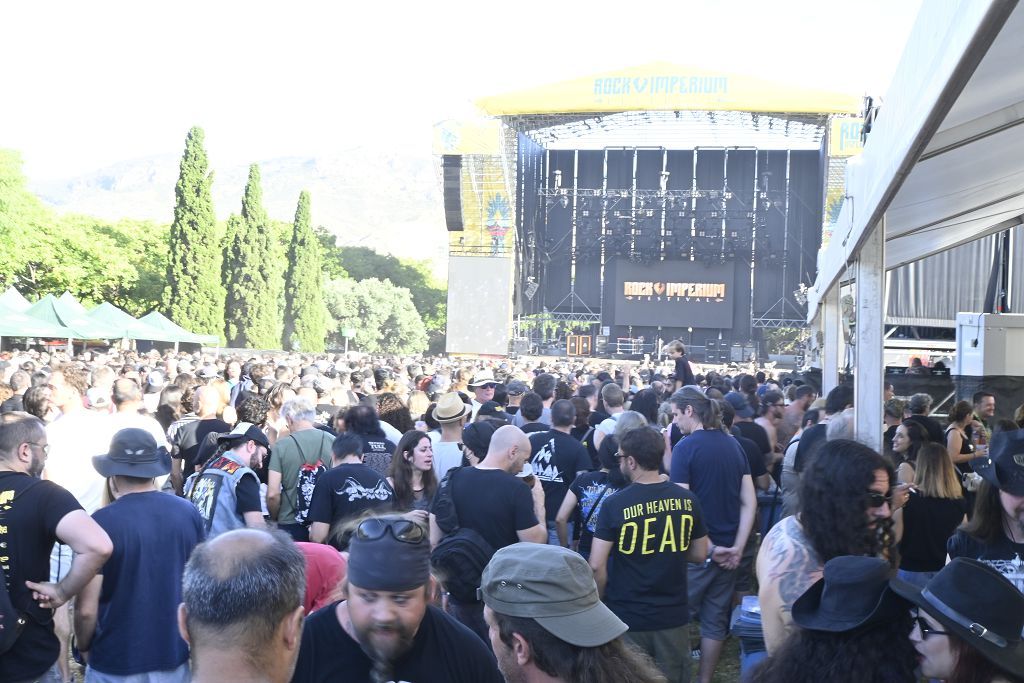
[(786, 567)]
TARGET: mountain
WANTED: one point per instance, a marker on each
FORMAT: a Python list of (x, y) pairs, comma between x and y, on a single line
[(387, 200)]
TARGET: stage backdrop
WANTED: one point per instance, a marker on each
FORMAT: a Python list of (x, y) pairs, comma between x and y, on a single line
[(674, 294)]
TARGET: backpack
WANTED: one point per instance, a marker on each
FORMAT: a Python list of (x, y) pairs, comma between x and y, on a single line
[(460, 557), (12, 621), (306, 482)]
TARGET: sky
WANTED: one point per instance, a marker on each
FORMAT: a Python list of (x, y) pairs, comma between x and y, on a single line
[(89, 84)]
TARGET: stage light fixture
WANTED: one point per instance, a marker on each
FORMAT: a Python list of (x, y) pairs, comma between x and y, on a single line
[(558, 179)]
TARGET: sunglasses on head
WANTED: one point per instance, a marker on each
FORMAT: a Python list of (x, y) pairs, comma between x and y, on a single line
[(401, 530), (877, 500)]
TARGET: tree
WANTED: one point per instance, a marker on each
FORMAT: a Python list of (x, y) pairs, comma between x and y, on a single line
[(428, 296), (252, 275), (381, 313), (44, 254), (193, 297), (305, 327)]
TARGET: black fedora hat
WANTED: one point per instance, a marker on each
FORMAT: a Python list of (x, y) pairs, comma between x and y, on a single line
[(979, 605), (1004, 465), (133, 453), (853, 592)]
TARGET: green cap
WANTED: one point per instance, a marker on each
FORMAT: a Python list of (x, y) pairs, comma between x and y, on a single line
[(553, 586)]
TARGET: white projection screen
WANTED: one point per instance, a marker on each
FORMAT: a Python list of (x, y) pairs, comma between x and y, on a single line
[(479, 305)]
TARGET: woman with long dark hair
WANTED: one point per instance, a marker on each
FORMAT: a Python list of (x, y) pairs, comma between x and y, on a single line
[(646, 403), (582, 406), (411, 474), (905, 445), (967, 625), (169, 409), (935, 509)]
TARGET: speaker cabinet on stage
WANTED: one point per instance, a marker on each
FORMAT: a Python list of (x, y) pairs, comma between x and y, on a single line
[(520, 346), (451, 165), (577, 345), (602, 344)]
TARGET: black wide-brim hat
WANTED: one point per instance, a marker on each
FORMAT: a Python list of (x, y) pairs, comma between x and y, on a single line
[(1004, 465), (979, 605), (853, 592), (133, 453)]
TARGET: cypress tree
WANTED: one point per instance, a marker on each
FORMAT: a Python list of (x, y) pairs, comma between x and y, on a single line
[(305, 326), (251, 275), (193, 296)]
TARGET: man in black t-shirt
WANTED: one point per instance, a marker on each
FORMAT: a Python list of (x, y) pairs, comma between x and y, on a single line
[(996, 534), (499, 506), (31, 512), (556, 459), (345, 491), (385, 627), (646, 535)]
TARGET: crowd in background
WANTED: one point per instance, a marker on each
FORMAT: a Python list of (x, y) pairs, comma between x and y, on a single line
[(640, 497)]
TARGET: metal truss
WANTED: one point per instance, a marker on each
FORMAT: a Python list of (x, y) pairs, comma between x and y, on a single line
[(776, 323)]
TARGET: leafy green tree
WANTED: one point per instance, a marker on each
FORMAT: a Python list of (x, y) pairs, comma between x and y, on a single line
[(194, 297), (305, 327), (382, 314), (45, 254), (252, 277), (429, 296)]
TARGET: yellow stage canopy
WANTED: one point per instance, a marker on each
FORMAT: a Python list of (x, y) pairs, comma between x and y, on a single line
[(662, 86)]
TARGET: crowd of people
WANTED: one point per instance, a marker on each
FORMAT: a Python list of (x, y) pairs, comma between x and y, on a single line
[(171, 517)]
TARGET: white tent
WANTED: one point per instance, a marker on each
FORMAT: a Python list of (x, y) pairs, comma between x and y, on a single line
[(943, 165)]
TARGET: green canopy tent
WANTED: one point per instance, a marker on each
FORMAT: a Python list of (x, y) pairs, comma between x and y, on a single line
[(17, 324), (72, 305), (13, 300), (132, 328), (161, 322), (51, 309)]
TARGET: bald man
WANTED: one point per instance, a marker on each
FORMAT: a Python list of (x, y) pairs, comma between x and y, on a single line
[(490, 499), (242, 607)]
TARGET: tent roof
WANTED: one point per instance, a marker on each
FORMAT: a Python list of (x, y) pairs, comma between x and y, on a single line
[(663, 86), (52, 310), (161, 322), (942, 162), (71, 304), (109, 314), (19, 324), (13, 300)]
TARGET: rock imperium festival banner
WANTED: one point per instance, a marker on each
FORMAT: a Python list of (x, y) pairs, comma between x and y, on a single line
[(674, 294)]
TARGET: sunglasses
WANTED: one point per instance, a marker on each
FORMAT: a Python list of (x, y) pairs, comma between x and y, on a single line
[(619, 455), (877, 500), (927, 630), (401, 530), (489, 385)]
